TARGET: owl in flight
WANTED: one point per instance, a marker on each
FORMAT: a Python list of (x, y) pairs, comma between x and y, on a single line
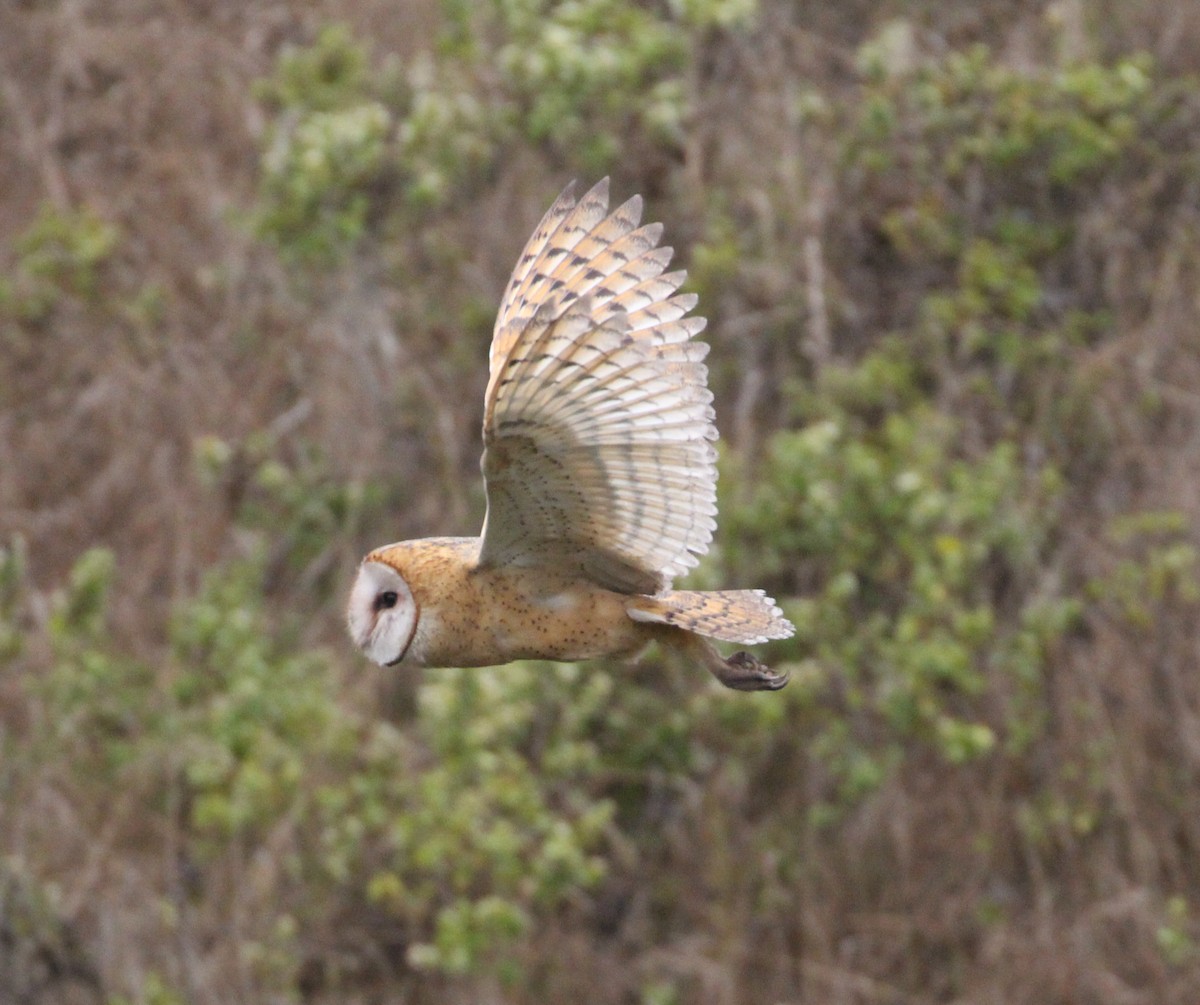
[(600, 473)]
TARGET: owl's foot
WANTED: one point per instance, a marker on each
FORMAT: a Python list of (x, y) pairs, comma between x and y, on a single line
[(746, 672), (741, 671)]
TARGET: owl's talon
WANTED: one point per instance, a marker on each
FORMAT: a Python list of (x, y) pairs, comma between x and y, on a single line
[(745, 672)]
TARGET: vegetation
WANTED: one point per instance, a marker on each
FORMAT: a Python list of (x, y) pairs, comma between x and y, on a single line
[(950, 264)]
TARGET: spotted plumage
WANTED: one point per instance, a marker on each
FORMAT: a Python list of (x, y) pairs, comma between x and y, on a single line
[(600, 474)]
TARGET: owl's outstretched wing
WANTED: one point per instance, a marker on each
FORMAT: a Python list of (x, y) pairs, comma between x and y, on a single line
[(598, 424)]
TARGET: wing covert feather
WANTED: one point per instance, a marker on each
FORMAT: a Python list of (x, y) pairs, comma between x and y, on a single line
[(598, 423)]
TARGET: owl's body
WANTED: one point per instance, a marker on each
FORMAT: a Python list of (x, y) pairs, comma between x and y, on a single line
[(600, 476), (471, 616)]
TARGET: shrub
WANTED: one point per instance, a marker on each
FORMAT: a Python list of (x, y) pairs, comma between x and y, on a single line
[(577, 81)]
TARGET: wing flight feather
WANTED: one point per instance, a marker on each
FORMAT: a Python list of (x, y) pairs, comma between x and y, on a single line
[(598, 423)]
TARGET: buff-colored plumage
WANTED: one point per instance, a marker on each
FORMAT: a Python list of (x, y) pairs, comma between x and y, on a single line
[(600, 474)]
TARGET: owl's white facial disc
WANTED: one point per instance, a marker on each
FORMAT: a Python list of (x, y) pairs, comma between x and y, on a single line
[(382, 613)]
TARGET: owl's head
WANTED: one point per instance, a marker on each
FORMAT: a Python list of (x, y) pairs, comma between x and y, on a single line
[(382, 613)]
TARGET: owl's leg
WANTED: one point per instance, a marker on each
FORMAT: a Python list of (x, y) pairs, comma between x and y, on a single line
[(742, 671)]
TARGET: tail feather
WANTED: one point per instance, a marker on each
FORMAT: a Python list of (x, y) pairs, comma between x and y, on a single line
[(745, 616)]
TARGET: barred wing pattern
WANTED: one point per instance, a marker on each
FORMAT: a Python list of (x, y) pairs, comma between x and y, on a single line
[(598, 424)]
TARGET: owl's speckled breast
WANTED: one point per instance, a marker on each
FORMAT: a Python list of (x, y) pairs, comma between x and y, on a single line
[(472, 616)]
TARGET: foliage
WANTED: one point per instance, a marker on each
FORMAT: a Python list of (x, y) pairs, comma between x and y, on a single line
[(916, 505), (497, 827), (975, 503), (60, 254), (978, 174), (314, 176), (464, 831), (577, 80), (292, 505), (909, 555), (246, 713), (579, 74), (1158, 567), (1174, 940), (12, 574), (1048, 129), (326, 149)]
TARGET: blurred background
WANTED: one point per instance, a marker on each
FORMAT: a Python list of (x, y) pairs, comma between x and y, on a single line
[(250, 255)]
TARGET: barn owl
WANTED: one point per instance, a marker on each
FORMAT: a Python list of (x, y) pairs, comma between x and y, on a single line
[(600, 473)]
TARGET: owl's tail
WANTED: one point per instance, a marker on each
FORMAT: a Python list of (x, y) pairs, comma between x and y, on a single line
[(746, 616)]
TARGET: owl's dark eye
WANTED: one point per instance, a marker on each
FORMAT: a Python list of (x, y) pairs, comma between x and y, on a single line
[(386, 600)]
